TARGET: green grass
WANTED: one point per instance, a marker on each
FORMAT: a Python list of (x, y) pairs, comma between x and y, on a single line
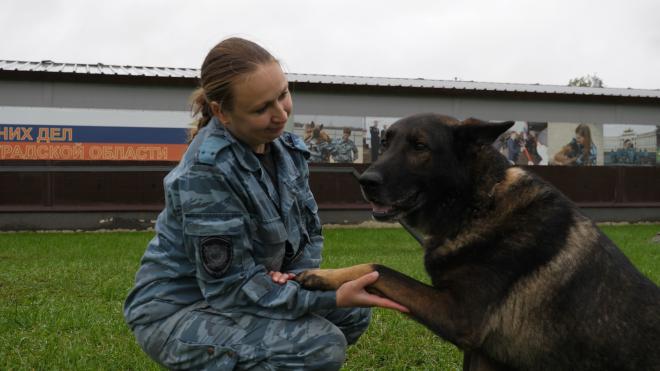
[(61, 298)]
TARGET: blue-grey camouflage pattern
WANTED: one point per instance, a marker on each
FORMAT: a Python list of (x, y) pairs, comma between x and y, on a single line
[(344, 151), (203, 298), (319, 150)]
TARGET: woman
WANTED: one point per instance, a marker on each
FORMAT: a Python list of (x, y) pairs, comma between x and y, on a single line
[(215, 289), (580, 151), (586, 148)]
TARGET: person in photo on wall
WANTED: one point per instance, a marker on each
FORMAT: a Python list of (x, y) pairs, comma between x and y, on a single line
[(319, 144), (382, 136), (530, 149), (630, 154), (513, 147), (375, 141), (214, 289), (344, 149), (580, 151)]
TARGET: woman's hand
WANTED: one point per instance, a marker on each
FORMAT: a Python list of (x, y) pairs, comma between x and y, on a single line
[(280, 278), (353, 294)]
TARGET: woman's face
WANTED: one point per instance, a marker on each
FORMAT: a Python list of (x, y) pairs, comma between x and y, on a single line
[(580, 139), (262, 105)]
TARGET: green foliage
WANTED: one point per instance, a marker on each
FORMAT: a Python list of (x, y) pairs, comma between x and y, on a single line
[(589, 81), (61, 297)]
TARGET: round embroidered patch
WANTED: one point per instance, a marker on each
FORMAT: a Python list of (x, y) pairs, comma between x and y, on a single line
[(216, 253)]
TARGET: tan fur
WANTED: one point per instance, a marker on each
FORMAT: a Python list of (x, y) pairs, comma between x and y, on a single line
[(489, 223), (514, 318), (333, 278)]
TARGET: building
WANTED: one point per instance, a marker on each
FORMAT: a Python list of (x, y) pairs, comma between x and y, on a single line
[(87, 145)]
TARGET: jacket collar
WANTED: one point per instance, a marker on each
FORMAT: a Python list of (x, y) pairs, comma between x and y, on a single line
[(242, 152)]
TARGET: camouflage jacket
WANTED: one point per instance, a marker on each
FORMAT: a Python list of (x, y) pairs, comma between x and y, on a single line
[(319, 150), (224, 227), (344, 151)]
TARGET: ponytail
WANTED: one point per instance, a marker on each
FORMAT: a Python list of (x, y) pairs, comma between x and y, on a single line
[(201, 112)]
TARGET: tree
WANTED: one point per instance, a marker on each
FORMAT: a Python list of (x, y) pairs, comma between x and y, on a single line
[(589, 81)]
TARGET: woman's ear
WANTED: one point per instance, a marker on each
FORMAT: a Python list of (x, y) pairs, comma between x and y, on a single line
[(219, 113)]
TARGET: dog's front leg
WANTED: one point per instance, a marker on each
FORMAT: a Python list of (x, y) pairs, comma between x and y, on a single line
[(433, 307)]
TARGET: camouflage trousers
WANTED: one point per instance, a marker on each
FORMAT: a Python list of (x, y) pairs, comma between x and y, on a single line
[(201, 338)]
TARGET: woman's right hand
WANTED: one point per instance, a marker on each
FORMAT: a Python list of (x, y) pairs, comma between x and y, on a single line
[(353, 294), (281, 278)]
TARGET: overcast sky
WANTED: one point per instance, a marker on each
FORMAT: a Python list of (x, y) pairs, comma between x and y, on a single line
[(511, 41)]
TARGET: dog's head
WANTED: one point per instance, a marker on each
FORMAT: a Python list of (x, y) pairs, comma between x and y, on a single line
[(427, 167), (319, 134)]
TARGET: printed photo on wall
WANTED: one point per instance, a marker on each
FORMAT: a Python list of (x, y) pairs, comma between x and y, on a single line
[(331, 139), (375, 128), (525, 143), (630, 145), (572, 144), (657, 140)]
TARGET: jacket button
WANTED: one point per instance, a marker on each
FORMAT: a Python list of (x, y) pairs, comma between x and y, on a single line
[(210, 350)]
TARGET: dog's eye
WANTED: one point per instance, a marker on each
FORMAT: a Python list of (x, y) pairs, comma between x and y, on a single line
[(419, 146)]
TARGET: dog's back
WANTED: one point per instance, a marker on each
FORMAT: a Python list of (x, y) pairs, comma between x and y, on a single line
[(576, 301)]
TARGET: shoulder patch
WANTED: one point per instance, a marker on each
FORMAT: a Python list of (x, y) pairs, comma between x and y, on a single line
[(210, 148), (216, 254)]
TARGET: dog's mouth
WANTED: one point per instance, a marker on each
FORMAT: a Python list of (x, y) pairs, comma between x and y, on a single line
[(395, 210), (383, 212)]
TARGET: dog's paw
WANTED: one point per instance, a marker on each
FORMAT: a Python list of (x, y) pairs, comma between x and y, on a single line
[(314, 280)]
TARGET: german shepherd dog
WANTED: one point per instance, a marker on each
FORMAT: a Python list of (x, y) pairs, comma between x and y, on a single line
[(521, 279)]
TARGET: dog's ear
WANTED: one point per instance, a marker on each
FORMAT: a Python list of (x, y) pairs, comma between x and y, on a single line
[(480, 132), (321, 127)]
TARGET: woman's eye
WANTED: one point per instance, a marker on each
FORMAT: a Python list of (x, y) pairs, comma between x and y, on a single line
[(261, 110), (284, 94)]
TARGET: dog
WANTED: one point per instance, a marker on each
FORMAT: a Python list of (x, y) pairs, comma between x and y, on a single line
[(521, 279), (567, 155)]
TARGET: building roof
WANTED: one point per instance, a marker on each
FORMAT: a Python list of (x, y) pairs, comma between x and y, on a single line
[(100, 69), (97, 69)]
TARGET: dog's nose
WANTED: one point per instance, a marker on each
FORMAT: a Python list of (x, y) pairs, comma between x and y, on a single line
[(370, 179)]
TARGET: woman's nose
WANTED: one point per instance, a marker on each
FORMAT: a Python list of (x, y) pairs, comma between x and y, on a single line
[(280, 114)]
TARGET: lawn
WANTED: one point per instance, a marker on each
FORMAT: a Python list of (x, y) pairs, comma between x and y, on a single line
[(61, 298)]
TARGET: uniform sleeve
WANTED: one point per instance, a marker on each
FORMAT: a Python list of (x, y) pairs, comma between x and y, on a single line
[(217, 233), (163, 259)]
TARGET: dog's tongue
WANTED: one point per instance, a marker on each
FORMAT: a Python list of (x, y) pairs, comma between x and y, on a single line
[(380, 209)]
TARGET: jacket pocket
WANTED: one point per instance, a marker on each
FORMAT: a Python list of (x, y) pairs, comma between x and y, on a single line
[(311, 217), (269, 240), (182, 354)]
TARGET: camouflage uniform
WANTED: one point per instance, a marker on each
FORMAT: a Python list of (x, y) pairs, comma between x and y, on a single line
[(319, 150), (203, 299), (345, 151)]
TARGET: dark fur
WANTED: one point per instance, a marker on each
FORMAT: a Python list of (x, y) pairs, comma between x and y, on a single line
[(521, 280)]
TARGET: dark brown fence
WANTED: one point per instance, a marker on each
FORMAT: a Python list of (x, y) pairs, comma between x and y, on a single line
[(62, 187)]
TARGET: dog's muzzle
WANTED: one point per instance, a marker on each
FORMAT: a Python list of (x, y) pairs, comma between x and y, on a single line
[(371, 182)]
